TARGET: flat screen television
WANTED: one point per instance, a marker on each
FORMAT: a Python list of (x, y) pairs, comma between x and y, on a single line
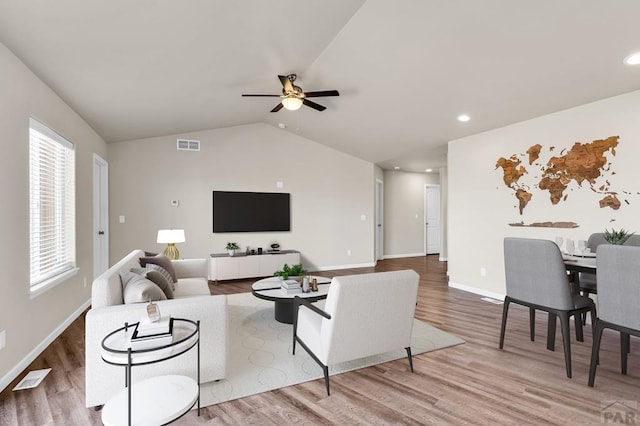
[(251, 211)]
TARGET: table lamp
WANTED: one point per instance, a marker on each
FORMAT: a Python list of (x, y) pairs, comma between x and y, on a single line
[(170, 237)]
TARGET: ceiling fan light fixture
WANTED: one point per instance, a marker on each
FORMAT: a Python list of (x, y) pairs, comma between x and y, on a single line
[(292, 103)]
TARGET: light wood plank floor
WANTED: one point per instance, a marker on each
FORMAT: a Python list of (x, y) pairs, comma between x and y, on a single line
[(474, 383)]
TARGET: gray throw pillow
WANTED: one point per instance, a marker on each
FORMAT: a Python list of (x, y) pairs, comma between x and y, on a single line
[(138, 289), (160, 260), (161, 280), (164, 272)]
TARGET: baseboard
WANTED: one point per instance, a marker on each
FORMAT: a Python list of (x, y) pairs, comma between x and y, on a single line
[(15, 371), (396, 256), (330, 268), (478, 291), (442, 259)]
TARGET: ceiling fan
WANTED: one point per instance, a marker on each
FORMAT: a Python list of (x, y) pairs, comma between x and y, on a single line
[(293, 97)]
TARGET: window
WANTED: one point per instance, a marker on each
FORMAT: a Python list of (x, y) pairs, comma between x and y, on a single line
[(51, 208)]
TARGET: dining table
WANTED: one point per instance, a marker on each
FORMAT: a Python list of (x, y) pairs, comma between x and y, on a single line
[(575, 264)]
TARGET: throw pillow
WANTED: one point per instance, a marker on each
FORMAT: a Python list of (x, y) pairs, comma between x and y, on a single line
[(161, 280), (161, 260), (138, 289), (164, 272)]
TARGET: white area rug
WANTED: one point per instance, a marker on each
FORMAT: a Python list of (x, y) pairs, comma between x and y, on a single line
[(260, 356)]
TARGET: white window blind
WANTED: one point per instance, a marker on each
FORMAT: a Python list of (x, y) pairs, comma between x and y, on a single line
[(52, 206)]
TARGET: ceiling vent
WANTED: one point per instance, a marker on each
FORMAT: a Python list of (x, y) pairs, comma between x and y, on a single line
[(188, 145)]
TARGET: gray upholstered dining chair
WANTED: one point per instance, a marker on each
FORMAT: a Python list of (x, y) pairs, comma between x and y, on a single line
[(536, 277), (618, 274)]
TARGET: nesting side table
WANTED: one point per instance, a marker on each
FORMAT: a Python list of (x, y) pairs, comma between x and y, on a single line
[(157, 400)]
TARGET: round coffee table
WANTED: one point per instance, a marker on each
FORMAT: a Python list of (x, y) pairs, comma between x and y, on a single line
[(269, 289)]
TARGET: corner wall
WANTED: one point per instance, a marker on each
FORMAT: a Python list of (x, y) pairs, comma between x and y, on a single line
[(330, 191), (31, 324), (481, 206)]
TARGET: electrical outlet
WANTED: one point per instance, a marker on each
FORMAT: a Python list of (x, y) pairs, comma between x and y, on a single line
[(175, 203), (348, 252), (3, 339), (483, 272)]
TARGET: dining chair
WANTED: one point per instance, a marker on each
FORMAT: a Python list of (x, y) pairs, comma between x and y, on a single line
[(618, 275), (536, 277)]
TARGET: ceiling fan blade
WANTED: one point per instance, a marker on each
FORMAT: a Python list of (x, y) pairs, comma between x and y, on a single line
[(265, 96), (277, 107), (321, 93), (286, 83), (313, 105)]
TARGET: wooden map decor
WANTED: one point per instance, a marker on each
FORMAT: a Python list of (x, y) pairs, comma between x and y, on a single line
[(584, 165)]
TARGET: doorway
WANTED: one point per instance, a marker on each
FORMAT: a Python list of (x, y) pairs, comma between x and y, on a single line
[(432, 219), (100, 215)]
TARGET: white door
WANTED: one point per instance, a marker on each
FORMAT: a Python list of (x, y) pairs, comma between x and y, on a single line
[(100, 215), (379, 220), (432, 219)]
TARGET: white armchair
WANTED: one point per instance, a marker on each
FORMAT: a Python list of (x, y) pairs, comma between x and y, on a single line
[(363, 315)]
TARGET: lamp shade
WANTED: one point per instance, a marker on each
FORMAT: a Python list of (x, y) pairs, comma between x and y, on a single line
[(292, 103), (167, 236)]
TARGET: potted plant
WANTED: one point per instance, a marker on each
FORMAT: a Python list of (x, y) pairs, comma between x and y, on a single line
[(617, 237), (232, 247), (294, 272)]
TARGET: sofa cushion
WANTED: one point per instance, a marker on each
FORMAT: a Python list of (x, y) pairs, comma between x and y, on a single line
[(163, 272), (157, 277), (188, 287), (160, 260), (137, 289)]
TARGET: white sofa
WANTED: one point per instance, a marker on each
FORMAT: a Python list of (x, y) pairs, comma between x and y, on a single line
[(192, 301)]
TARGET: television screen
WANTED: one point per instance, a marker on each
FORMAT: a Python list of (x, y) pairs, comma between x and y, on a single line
[(251, 211)]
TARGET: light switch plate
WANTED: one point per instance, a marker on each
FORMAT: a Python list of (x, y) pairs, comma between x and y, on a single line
[(175, 203)]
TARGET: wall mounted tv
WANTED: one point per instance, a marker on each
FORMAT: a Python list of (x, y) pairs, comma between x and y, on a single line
[(251, 211)]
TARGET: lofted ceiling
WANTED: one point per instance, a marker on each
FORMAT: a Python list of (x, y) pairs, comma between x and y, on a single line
[(405, 69)]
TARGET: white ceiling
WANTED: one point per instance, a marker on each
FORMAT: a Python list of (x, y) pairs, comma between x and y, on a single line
[(405, 68)]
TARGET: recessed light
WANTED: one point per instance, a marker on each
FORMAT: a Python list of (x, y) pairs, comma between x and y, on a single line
[(428, 170), (463, 117), (633, 59), (396, 168)]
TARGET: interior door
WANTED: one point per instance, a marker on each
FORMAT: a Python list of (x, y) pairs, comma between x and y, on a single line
[(432, 219), (379, 220), (100, 215)]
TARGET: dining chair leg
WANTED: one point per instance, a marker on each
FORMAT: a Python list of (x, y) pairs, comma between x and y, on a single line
[(595, 352), (578, 325), (551, 332), (624, 351), (532, 323), (566, 340), (505, 310)]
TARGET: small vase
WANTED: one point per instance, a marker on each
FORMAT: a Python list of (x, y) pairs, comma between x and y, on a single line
[(231, 252)]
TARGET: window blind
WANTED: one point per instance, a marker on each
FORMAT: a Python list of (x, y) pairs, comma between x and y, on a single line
[(52, 204)]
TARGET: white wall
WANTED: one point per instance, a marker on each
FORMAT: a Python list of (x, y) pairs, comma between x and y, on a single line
[(30, 324), (404, 212), (329, 190), (481, 206)]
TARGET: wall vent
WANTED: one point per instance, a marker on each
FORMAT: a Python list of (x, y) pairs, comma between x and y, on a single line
[(188, 145)]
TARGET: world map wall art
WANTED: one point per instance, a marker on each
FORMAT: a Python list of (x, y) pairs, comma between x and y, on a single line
[(541, 172)]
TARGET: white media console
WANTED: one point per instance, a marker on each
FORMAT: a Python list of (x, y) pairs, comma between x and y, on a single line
[(225, 267)]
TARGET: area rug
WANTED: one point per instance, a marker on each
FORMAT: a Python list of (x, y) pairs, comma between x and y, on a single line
[(260, 356)]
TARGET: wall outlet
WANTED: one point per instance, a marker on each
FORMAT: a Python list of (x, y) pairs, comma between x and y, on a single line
[(121, 218), (363, 217), (279, 184), (175, 203), (348, 252), (483, 272), (3, 339)]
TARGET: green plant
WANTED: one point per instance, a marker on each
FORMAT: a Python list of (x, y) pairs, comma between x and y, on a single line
[(290, 271), (617, 237), (232, 246)]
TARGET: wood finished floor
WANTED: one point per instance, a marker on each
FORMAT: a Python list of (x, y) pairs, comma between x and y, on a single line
[(474, 383)]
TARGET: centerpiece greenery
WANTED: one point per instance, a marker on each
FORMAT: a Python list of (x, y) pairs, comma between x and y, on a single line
[(617, 237), (290, 271)]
